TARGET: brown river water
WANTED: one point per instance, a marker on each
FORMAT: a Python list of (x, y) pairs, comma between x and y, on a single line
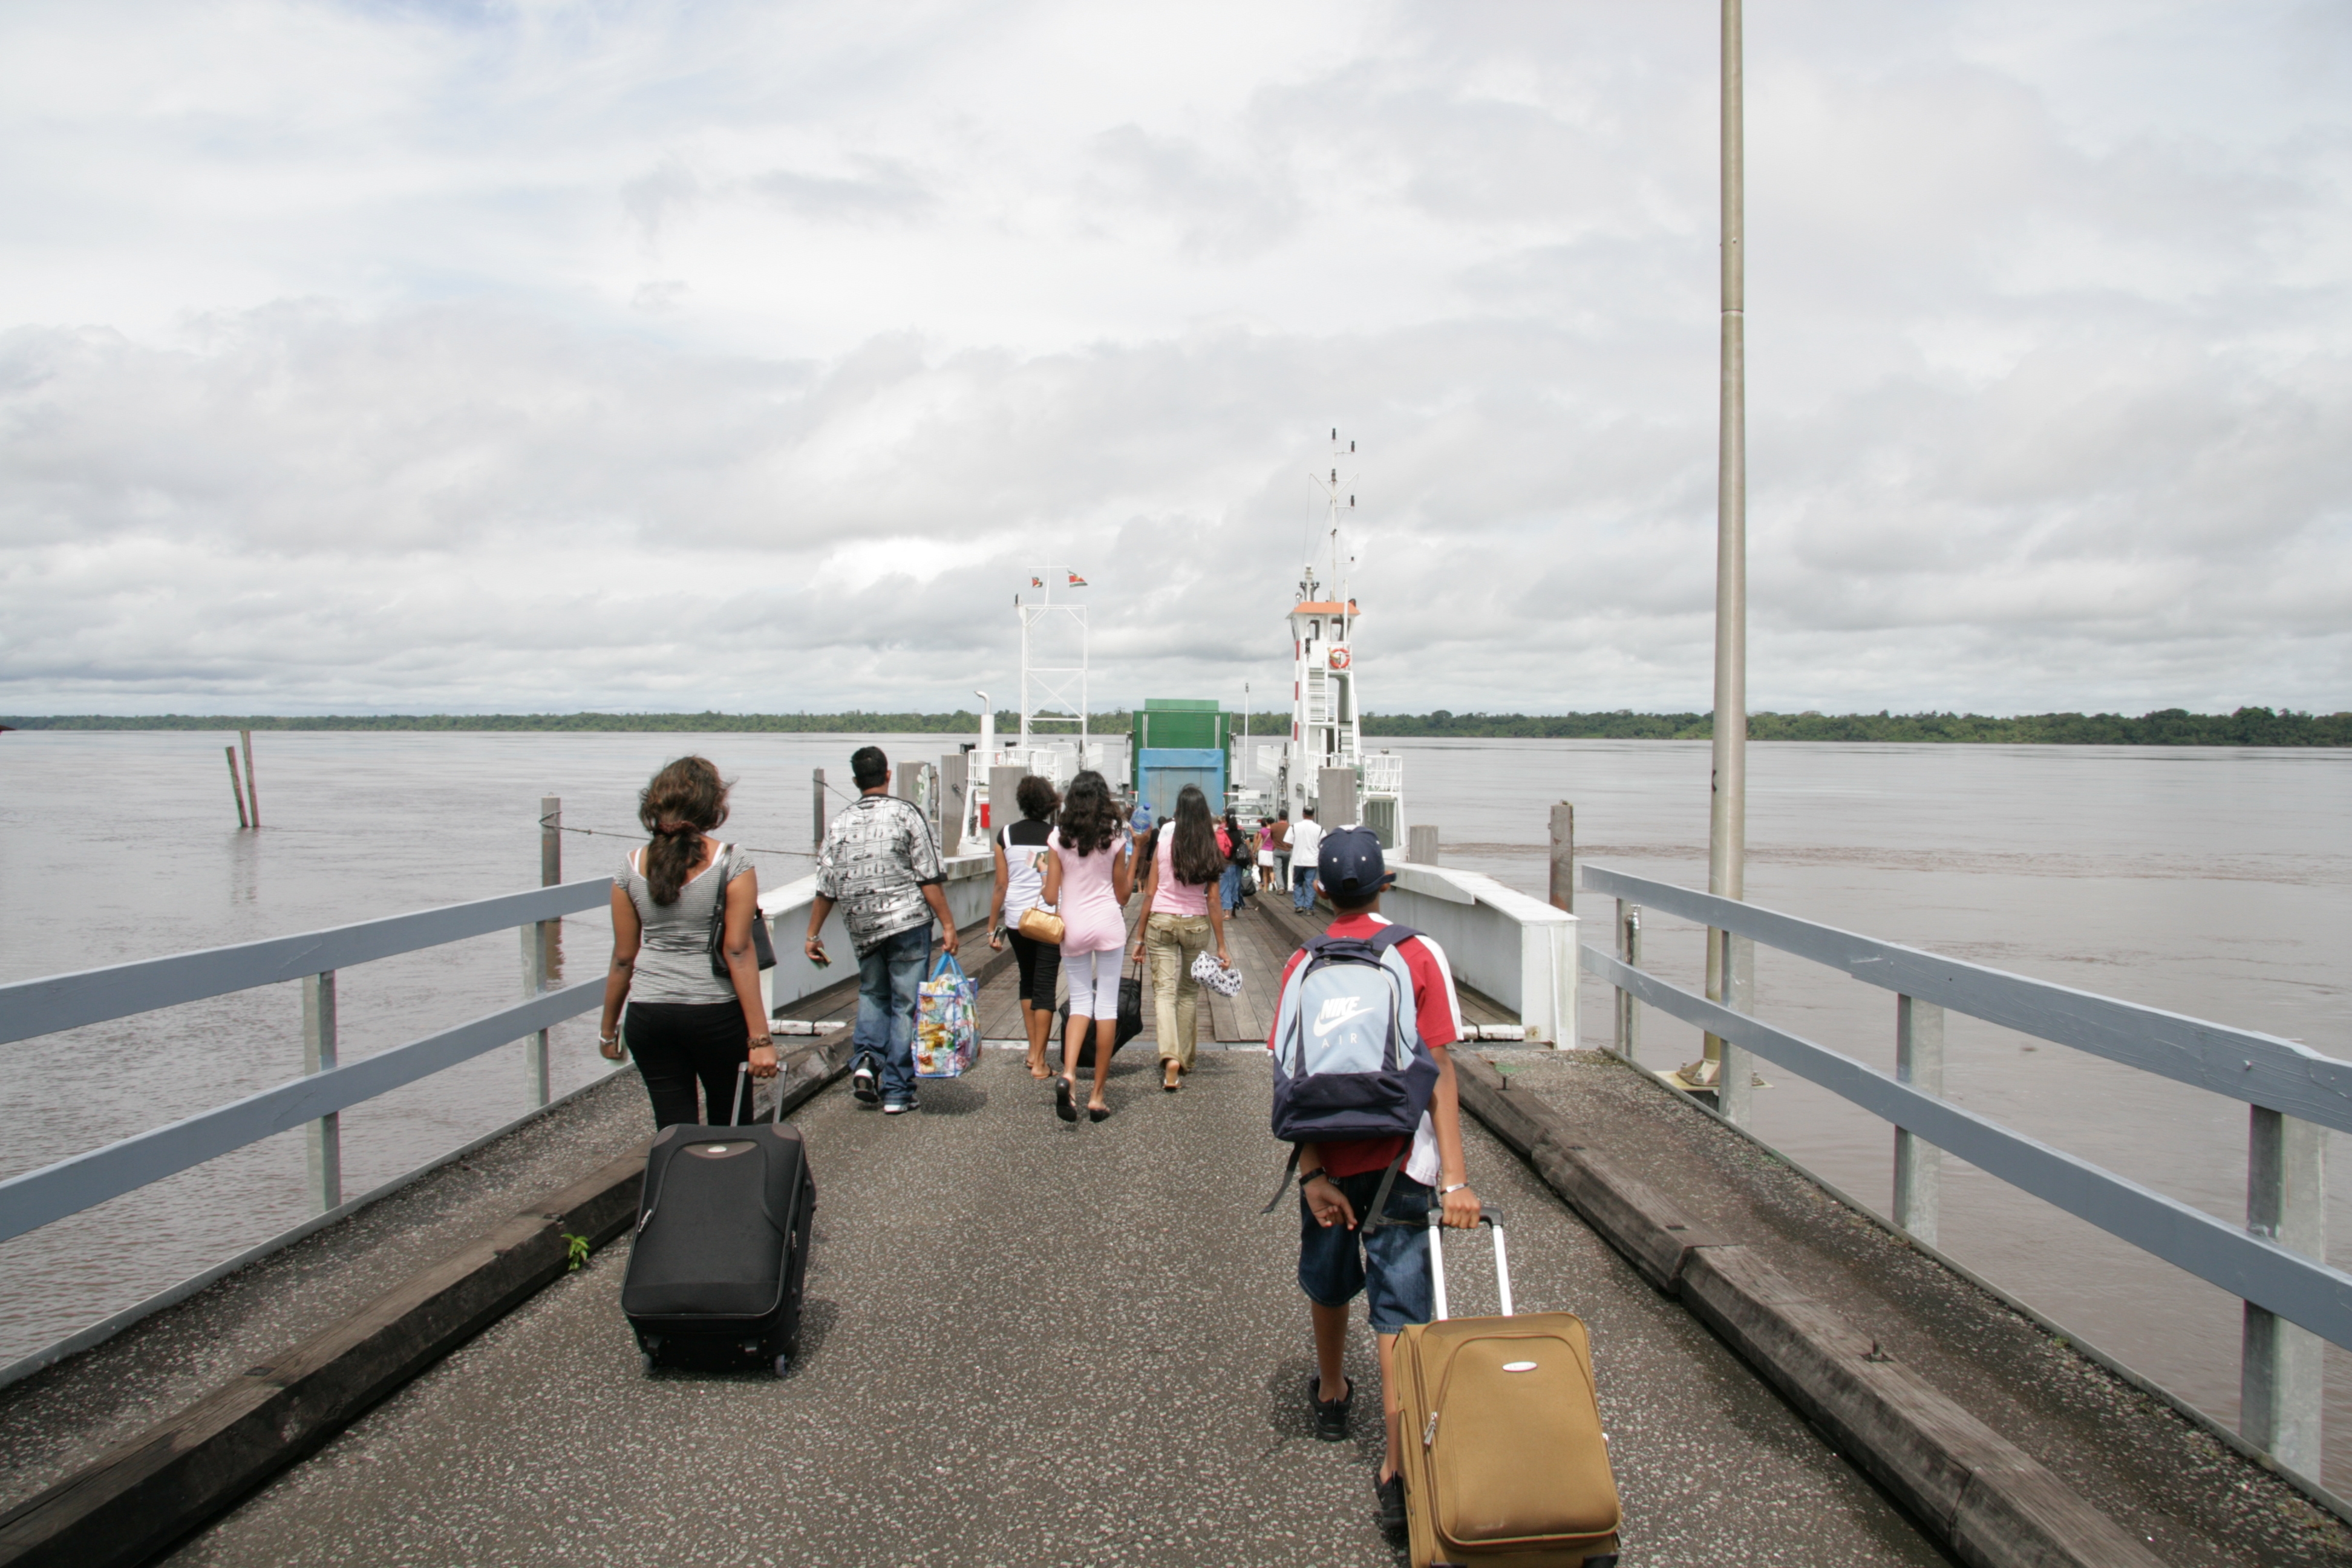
[(2216, 883)]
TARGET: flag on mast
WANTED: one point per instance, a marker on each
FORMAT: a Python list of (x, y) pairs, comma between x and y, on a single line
[(1036, 582), (1076, 580)]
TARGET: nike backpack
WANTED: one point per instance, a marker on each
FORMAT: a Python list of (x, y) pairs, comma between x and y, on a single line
[(1348, 1060)]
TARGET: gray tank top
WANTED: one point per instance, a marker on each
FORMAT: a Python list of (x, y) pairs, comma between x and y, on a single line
[(674, 960)]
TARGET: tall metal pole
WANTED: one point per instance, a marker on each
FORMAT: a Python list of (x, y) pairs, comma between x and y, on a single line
[(1729, 960)]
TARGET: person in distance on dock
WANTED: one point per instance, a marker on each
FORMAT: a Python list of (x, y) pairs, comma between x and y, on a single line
[(1235, 841), (1306, 847), (1088, 877), (880, 864), (1277, 844), (1020, 884), (1340, 1183), (1179, 919), (684, 1024)]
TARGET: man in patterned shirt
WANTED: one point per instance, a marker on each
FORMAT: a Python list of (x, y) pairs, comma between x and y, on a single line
[(880, 864)]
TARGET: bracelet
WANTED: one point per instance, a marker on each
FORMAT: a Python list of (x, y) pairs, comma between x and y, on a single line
[(763, 1042), (608, 1039), (1443, 1192)]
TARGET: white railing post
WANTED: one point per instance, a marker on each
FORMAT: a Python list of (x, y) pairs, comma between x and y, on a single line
[(1918, 1164), (534, 981), (1564, 977), (1735, 1084), (324, 1138), (2282, 1373), (1629, 1007)]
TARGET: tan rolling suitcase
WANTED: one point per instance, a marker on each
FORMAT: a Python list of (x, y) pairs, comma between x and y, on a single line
[(1505, 1462)]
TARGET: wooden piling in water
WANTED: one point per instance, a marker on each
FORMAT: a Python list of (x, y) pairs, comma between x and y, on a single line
[(237, 788), (550, 872), (252, 792), (1563, 856)]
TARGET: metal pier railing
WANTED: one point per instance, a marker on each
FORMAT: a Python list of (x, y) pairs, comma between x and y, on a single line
[(327, 1087), (2273, 1263)]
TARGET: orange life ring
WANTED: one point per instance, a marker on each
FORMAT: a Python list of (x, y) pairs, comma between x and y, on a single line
[(1339, 659)]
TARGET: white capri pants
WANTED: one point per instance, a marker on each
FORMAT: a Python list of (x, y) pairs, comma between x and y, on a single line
[(1094, 981)]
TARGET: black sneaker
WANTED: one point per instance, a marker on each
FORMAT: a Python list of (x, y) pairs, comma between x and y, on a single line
[(1331, 1414), (1391, 1495), (861, 1083)]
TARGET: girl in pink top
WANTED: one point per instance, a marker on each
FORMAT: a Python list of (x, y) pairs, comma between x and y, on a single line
[(1089, 876), (1179, 919)]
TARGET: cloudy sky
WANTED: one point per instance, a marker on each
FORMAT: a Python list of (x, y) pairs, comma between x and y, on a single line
[(547, 356)]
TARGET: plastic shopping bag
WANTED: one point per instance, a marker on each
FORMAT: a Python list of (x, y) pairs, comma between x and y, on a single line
[(947, 1022)]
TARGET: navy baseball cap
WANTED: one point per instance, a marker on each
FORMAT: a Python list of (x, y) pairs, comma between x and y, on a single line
[(1351, 865)]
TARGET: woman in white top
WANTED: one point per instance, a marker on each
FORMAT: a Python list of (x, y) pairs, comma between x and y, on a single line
[(1180, 918), (1019, 887), (686, 1024)]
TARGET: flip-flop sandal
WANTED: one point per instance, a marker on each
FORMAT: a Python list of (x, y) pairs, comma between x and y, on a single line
[(1171, 1084), (1065, 1099), (1097, 1113)]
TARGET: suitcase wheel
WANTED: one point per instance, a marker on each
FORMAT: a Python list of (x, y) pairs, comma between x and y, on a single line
[(645, 1362), (784, 1365)]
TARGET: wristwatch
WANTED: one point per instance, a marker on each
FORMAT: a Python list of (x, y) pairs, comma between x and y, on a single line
[(763, 1042), (1457, 1188)]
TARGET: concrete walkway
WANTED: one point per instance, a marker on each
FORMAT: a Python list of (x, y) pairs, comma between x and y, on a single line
[(1029, 1342)]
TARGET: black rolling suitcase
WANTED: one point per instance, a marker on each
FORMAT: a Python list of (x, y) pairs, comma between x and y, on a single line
[(721, 1245)]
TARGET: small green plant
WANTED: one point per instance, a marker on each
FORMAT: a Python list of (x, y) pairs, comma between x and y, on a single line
[(576, 1249)]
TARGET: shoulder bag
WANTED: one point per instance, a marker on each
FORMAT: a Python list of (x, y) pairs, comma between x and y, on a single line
[(1039, 924), (763, 947)]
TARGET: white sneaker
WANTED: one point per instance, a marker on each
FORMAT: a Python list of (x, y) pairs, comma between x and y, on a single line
[(861, 1084)]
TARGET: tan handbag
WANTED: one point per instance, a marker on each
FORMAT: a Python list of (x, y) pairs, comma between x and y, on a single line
[(1040, 924)]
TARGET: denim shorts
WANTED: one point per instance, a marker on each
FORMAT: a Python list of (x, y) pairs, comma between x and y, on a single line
[(1390, 1265)]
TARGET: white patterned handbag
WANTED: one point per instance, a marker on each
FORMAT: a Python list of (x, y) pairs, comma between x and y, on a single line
[(1215, 975)]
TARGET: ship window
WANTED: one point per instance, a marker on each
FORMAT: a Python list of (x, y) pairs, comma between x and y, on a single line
[(1313, 630)]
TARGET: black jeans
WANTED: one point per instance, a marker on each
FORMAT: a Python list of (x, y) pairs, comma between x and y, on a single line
[(1040, 964), (676, 1044)]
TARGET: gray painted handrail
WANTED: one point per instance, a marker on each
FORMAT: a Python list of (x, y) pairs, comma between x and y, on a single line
[(2259, 1271), (2244, 1064), (30, 1007), (53, 1192)]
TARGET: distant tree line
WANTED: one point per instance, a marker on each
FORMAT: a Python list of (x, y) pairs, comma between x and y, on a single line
[(704, 723), (2165, 727)]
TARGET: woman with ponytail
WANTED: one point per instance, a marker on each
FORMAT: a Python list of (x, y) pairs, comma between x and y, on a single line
[(686, 1024)]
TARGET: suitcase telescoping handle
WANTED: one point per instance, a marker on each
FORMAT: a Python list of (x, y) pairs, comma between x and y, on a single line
[(1437, 1258)]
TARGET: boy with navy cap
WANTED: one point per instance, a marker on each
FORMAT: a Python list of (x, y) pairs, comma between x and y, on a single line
[(1389, 1264)]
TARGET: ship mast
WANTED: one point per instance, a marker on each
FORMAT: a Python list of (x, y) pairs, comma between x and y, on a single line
[(1326, 724)]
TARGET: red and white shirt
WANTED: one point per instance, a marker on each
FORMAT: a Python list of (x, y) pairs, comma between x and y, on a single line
[(1438, 1013)]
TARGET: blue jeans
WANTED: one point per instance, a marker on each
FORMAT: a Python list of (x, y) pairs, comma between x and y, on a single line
[(1389, 1263), (1302, 892), (887, 974), (1229, 887)]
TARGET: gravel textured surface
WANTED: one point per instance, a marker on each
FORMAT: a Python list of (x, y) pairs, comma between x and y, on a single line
[(65, 1415), (1032, 1342), (2127, 1454)]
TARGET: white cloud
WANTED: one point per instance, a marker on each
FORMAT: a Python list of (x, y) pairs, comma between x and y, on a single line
[(555, 355)]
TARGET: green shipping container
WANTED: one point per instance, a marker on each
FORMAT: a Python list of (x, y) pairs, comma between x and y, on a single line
[(1179, 724)]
